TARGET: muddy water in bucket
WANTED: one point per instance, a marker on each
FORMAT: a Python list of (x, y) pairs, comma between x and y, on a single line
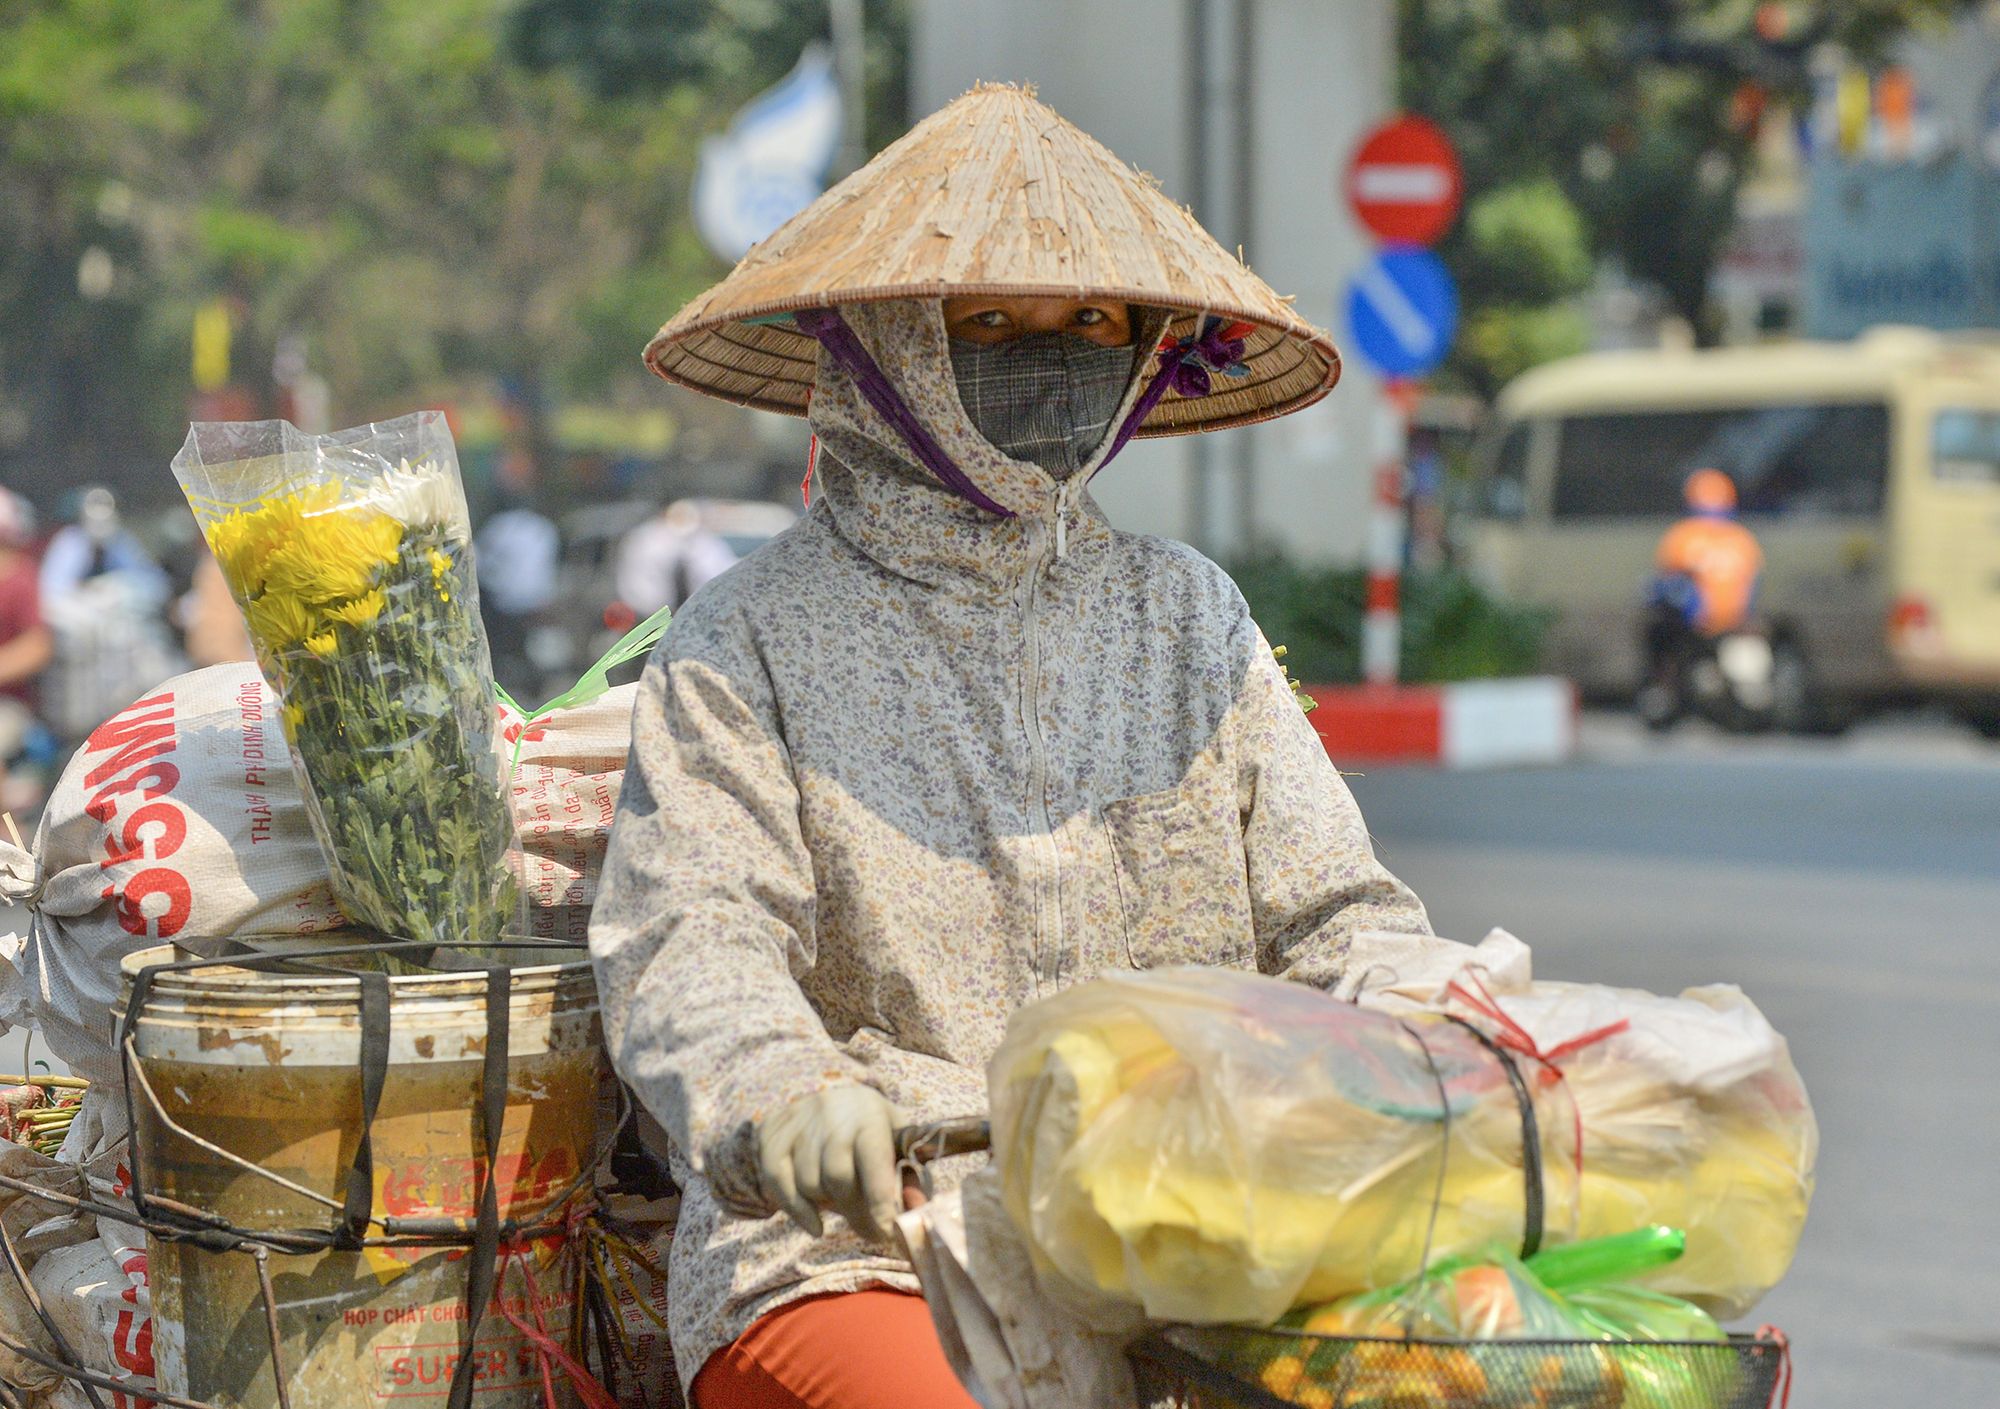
[(267, 1067)]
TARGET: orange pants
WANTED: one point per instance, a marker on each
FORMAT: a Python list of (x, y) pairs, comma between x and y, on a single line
[(873, 1349)]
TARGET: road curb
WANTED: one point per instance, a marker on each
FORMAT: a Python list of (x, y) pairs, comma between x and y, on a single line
[(1468, 724)]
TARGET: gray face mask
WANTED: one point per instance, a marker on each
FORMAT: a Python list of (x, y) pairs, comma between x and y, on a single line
[(1047, 398)]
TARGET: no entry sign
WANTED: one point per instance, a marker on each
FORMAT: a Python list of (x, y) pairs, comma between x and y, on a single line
[(1404, 182)]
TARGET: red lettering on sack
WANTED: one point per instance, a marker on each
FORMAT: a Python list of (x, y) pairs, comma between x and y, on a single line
[(132, 917), (173, 831), (132, 1342), (136, 738), (163, 778)]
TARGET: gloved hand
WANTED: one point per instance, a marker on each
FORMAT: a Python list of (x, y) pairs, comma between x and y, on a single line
[(834, 1150)]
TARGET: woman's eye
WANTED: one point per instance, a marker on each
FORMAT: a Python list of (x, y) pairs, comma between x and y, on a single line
[(991, 318), (1089, 316)]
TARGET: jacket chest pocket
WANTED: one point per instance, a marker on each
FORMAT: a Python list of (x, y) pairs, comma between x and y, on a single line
[(1182, 883)]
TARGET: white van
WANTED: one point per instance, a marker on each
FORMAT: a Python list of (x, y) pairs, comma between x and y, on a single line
[(1870, 472)]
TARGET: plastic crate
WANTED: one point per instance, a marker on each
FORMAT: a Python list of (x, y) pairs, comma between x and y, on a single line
[(1231, 1368)]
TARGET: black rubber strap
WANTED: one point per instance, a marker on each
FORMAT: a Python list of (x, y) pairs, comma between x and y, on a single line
[(608, 1358), (135, 1004), (1533, 1195), (484, 1258), (374, 1071)]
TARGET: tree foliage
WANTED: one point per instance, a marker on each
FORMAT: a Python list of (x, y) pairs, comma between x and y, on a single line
[(1630, 112), (1452, 628), (626, 47), (385, 178)]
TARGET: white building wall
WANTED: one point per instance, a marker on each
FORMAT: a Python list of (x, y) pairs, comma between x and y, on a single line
[(1322, 73)]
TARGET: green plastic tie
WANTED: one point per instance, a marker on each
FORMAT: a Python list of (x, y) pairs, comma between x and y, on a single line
[(1611, 1259), (591, 684)]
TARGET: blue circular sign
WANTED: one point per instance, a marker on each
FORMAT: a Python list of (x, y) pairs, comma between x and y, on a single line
[(1402, 309)]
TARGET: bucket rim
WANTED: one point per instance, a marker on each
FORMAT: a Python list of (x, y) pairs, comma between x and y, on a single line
[(232, 979)]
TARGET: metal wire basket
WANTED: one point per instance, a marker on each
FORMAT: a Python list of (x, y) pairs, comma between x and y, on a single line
[(1216, 1367)]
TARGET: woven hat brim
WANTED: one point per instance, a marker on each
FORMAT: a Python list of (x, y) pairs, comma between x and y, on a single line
[(770, 365), (992, 195)]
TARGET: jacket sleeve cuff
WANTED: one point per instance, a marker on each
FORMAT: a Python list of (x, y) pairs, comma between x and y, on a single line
[(771, 1079)]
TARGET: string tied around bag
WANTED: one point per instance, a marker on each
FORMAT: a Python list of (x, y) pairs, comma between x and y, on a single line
[(1516, 1038)]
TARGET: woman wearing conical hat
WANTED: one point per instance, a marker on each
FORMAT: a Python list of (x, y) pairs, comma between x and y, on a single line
[(952, 743)]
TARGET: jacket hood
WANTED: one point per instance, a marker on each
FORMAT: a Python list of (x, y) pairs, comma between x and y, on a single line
[(892, 507)]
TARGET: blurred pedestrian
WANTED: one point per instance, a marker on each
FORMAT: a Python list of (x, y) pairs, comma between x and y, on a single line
[(105, 599), (97, 543), (26, 647), (664, 560), (518, 553), (210, 620)]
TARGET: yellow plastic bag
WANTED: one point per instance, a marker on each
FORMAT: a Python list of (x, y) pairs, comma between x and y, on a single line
[(1209, 1145)]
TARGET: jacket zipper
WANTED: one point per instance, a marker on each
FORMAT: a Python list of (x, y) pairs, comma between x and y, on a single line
[(1048, 899)]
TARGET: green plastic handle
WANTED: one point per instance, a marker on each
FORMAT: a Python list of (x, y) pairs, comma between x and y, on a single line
[(1612, 1259), (593, 682)]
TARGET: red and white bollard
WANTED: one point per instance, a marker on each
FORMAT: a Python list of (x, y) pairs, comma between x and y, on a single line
[(1382, 623)]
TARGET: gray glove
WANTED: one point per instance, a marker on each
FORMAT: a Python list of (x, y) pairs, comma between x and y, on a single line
[(834, 1150)]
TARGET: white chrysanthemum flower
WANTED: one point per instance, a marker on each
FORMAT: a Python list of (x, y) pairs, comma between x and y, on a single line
[(420, 497)]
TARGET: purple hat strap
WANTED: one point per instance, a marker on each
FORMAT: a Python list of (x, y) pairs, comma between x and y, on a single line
[(1170, 361), (1185, 365), (838, 339)]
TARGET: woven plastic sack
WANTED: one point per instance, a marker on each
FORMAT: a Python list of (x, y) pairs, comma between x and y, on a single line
[(90, 1274), (181, 816), (1211, 1145), (178, 816), (565, 772)]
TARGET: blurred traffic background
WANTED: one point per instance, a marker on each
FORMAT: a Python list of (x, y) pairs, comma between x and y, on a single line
[(1575, 253)]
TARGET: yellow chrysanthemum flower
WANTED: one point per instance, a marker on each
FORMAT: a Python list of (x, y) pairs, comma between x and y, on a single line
[(440, 565), (276, 620), (362, 611), (323, 645), (333, 557), (304, 545)]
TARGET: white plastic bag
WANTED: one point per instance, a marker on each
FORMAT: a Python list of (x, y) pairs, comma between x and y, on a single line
[(110, 647)]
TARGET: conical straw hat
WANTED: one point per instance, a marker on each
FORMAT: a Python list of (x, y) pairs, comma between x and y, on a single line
[(993, 195)]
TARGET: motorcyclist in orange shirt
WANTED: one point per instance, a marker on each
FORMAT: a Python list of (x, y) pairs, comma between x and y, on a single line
[(1717, 557), (1699, 653)]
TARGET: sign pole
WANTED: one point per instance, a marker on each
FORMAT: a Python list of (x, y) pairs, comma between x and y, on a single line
[(1382, 623), (1404, 186)]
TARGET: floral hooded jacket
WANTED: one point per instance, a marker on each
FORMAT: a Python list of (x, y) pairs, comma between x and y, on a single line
[(909, 767)]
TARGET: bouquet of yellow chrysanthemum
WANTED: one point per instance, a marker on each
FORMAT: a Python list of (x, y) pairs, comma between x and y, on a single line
[(351, 557)]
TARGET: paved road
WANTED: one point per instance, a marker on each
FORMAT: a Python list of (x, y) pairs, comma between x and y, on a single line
[(1854, 891)]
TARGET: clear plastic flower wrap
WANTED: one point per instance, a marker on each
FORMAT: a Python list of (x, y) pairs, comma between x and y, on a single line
[(350, 555), (1214, 1146)]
